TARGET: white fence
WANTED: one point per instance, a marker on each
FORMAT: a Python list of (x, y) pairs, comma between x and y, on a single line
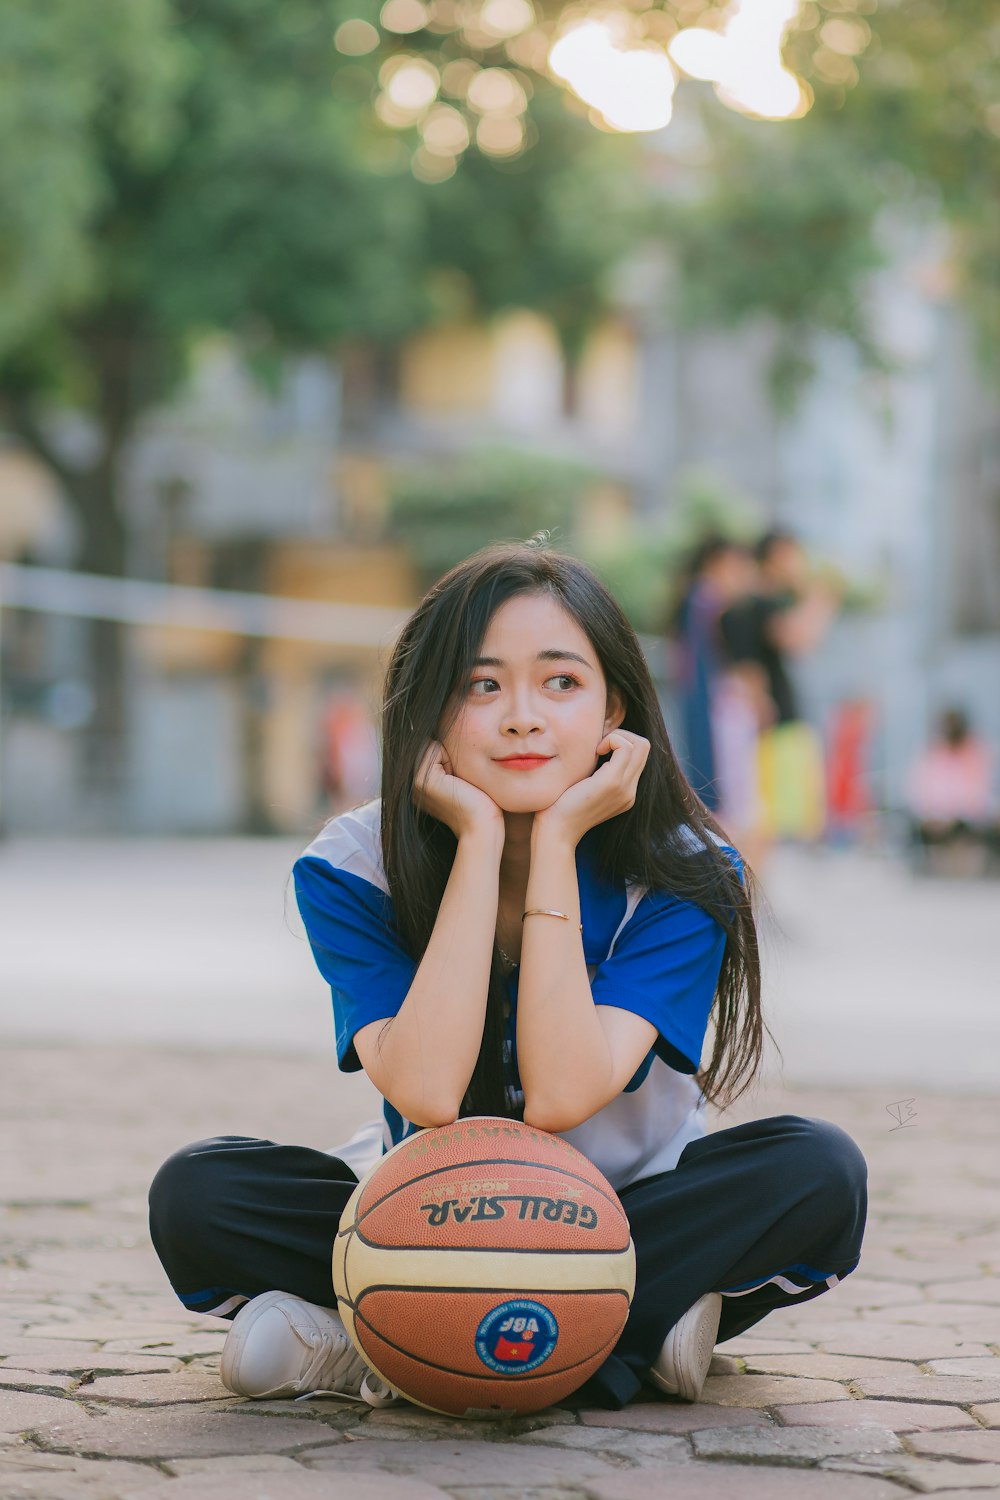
[(181, 766)]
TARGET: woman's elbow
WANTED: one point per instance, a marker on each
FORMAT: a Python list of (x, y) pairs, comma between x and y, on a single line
[(428, 1114), (551, 1116), (436, 1118)]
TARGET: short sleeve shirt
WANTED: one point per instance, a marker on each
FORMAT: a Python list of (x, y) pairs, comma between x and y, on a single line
[(646, 951)]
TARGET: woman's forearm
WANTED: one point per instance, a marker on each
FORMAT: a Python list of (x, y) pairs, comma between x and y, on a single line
[(427, 1054), (562, 1051)]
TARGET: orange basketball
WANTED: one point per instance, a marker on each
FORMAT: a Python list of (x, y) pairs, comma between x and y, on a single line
[(484, 1268)]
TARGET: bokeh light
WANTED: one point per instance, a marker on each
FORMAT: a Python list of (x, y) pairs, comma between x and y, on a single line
[(834, 67), (445, 131), (700, 53), (847, 34), (500, 135), (622, 60), (355, 38), (411, 83), (506, 18), (631, 87), (496, 91), (443, 16), (529, 50), (457, 76), (404, 16), (428, 166), (744, 59)]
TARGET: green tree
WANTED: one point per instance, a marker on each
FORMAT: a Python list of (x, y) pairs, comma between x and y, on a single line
[(784, 219), (172, 168), (781, 219), (783, 226), (443, 511), (913, 99)]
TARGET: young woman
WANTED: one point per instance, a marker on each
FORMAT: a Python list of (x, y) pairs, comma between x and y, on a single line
[(537, 919)]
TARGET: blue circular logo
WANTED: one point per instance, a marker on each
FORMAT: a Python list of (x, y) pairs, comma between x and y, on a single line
[(516, 1336)]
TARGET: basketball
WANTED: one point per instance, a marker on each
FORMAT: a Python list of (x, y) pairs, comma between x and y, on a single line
[(484, 1268)]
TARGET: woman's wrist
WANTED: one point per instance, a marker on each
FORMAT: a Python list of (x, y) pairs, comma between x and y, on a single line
[(485, 835), (552, 884), (547, 831)]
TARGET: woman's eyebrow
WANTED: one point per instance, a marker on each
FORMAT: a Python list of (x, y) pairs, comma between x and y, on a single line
[(551, 655)]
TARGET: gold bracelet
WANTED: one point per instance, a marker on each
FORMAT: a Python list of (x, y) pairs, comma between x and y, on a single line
[(538, 911)]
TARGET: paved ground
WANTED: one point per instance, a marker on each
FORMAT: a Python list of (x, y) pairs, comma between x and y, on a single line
[(887, 1386), (109, 1390)]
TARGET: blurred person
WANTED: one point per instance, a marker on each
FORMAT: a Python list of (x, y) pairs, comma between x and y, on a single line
[(741, 710), (736, 729), (719, 573), (350, 768), (850, 802), (787, 616), (950, 797)]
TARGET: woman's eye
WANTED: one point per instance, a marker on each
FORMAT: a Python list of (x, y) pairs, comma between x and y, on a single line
[(487, 682)]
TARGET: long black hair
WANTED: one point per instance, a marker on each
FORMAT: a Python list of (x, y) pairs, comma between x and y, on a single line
[(664, 841)]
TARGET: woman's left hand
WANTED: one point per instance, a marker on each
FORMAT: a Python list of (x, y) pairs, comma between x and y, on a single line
[(604, 794)]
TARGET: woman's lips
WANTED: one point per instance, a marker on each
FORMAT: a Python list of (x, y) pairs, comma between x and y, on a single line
[(525, 762)]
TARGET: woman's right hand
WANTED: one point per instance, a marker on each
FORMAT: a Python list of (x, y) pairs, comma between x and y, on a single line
[(441, 794)]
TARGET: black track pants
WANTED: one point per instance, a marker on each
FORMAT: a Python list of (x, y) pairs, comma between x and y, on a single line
[(770, 1213)]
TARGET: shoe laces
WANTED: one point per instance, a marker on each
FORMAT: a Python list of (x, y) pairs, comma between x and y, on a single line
[(336, 1368), (378, 1392)]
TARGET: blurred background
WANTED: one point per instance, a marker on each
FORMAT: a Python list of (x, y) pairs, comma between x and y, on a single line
[(301, 304)]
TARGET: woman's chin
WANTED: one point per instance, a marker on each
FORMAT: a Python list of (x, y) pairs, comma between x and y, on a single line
[(519, 795), (526, 804)]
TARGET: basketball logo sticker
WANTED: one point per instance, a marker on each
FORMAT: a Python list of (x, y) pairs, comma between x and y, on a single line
[(516, 1336)]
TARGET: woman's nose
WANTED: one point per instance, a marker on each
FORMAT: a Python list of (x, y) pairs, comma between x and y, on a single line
[(523, 715)]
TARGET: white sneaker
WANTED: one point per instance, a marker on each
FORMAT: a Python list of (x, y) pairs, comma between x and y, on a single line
[(686, 1355), (280, 1345)]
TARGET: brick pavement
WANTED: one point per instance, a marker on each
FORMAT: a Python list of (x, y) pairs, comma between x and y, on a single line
[(108, 1388)]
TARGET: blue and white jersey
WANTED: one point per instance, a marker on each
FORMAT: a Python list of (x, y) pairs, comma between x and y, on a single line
[(646, 951)]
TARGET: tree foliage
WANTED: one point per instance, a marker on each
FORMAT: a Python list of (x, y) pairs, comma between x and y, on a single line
[(784, 227), (784, 220), (443, 511), (176, 167), (172, 167), (918, 109)]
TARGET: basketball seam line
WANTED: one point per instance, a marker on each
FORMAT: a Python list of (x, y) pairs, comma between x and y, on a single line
[(491, 1249), (498, 1161), (514, 1292)]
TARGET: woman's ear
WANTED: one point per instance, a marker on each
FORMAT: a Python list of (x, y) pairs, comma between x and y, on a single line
[(616, 711)]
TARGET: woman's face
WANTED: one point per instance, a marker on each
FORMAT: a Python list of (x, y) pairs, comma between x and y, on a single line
[(537, 690)]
